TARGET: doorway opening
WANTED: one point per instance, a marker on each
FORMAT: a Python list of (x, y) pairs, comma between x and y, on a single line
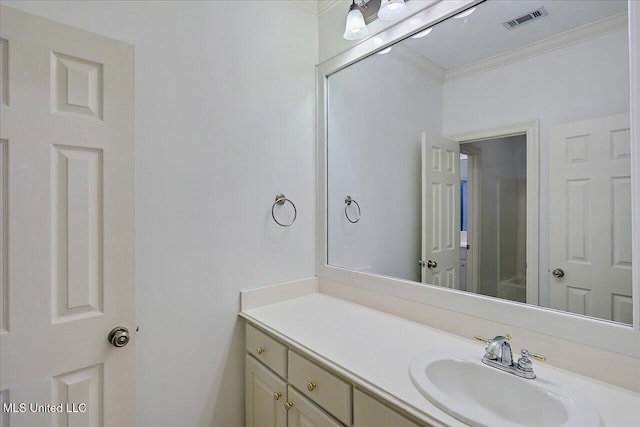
[(520, 218), (493, 201)]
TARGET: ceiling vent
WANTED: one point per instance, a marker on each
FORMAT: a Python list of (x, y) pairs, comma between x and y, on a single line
[(526, 18)]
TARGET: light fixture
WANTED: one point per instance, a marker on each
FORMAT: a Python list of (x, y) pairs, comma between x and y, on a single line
[(385, 50), (391, 10), (421, 34), (355, 28), (465, 13)]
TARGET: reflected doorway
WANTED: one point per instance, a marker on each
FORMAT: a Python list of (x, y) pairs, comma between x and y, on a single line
[(493, 217)]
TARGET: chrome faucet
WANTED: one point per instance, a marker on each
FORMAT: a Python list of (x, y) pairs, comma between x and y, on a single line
[(498, 354)]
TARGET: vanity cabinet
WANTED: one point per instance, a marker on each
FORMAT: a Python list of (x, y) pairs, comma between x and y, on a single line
[(286, 389), (369, 412), (303, 413), (265, 395), (327, 390)]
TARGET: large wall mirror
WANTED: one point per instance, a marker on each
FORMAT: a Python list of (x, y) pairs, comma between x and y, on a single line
[(490, 154)]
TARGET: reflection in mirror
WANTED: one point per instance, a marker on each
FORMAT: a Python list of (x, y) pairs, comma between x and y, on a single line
[(491, 154)]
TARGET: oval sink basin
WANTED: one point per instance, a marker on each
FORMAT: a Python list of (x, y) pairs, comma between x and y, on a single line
[(461, 385)]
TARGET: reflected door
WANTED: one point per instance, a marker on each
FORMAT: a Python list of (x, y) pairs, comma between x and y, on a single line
[(67, 214), (590, 218), (440, 211)]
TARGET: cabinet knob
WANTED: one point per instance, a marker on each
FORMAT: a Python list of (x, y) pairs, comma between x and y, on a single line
[(288, 406), (260, 350), (277, 395), (311, 386)]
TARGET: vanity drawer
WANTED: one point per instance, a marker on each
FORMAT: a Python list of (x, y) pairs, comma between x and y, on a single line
[(267, 350), (330, 392)]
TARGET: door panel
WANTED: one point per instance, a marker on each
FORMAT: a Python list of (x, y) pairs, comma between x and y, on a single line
[(303, 413), (441, 211), (262, 409), (66, 200), (590, 220)]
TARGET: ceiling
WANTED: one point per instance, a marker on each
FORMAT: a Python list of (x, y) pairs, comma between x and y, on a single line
[(482, 34)]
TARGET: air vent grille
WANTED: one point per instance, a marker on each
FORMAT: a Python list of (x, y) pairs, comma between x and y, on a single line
[(523, 19)]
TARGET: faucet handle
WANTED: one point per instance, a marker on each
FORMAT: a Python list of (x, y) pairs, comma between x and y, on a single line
[(524, 362)]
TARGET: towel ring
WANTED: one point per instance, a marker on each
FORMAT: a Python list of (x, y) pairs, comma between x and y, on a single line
[(280, 199), (347, 203)]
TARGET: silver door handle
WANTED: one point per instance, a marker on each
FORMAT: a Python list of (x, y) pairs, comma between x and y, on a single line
[(431, 264), (119, 336), (558, 273), (421, 263)]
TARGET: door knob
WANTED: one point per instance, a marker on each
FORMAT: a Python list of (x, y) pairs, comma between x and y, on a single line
[(431, 264), (421, 263), (558, 273), (119, 336)]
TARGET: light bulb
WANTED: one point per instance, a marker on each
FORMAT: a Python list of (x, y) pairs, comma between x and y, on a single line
[(355, 28), (390, 10)]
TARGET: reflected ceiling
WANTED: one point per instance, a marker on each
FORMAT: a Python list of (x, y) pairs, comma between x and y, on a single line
[(483, 34)]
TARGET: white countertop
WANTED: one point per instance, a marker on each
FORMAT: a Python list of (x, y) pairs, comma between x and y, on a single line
[(375, 349)]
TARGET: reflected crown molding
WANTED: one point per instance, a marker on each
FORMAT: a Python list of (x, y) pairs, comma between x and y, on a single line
[(559, 41), (419, 62)]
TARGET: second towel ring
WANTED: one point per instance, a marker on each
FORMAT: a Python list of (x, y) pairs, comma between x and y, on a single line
[(347, 202), (280, 200)]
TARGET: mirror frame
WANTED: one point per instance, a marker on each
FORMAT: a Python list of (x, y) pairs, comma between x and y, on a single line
[(607, 335)]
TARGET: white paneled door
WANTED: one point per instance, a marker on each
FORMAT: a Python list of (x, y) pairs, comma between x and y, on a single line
[(590, 223), (67, 226), (440, 211)]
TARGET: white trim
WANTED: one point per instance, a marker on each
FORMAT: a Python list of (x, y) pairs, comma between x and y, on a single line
[(474, 217), (414, 59), (318, 7), (558, 41), (324, 5), (634, 73), (591, 332)]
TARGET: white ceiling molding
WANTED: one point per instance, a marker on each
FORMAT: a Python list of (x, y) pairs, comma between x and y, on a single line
[(318, 6), (417, 61), (558, 41), (324, 5)]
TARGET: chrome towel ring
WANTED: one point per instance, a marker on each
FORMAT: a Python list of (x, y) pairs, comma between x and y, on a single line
[(280, 200), (347, 203)]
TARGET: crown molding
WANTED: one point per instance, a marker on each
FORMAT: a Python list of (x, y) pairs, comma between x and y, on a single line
[(417, 61), (324, 5), (558, 41), (317, 7)]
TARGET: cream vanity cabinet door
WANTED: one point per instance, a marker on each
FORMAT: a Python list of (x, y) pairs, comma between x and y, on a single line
[(368, 412), (265, 396), (303, 413)]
